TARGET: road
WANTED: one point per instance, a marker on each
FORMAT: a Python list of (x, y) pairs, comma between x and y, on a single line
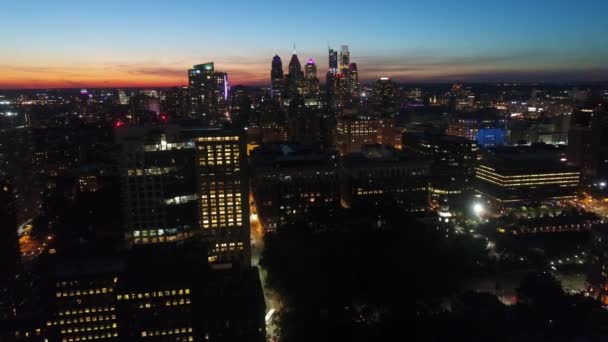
[(273, 302)]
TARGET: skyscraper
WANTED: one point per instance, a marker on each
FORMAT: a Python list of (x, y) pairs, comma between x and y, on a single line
[(276, 77), (333, 60), (311, 86), (353, 79), (181, 182), (158, 180), (223, 189), (344, 60), (208, 94), (295, 78)]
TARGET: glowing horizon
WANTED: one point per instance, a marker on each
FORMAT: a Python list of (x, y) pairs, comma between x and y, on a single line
[(70, 44)]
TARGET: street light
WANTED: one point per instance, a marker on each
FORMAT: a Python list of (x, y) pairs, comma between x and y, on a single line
[(478, 209)]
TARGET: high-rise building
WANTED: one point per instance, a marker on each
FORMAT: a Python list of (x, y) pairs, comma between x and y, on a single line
[(208, 94), (354, 132), (277, 78), (295, 78), (311, 82), (223, 190), (344, 60), (384, 97), (333, 61), (158, 178), (354, 80), (85, 301), (179, 182)]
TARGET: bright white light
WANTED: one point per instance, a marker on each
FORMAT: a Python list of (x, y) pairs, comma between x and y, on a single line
[(602, 184), (478, 209)]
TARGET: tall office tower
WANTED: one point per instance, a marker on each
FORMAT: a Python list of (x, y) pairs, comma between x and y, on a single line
[(384, 97), (174, 102), (295, 78), (333, 61), (158, 179), (344, 61), (208, 94), (311, 82), (354, 79), (341, 90), (178, 182), (223, 191), (330, 78), (9, 249), (344, 69), (277, 78)]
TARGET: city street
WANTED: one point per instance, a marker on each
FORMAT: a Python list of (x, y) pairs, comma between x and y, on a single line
[(273, 303)]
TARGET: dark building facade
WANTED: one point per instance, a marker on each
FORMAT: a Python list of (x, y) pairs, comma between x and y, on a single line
[(289, 180), (381, 174), (597, 276), (588, 143), (454, 160)]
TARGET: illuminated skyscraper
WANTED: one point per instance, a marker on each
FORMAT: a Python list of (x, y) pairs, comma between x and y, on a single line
[(208, 94), (181, 182), (344, 60), (223, 190), (295, 78), (311, 86), (353, 79), (276, 77), (158, 180), (333, 60)]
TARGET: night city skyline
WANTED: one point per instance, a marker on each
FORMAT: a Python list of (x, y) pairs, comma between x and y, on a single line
[(120, 44), (270, 171)]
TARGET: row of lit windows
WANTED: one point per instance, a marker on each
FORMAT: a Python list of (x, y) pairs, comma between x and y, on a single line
[(88, 328), (91, 337), (164, 293), (519, 178), (84, 319), (164, 332), (86, 310), (231, 138), (530, 183), (85, 292)]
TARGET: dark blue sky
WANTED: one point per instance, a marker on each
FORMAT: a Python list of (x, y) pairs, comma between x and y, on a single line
[(98, 43)]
